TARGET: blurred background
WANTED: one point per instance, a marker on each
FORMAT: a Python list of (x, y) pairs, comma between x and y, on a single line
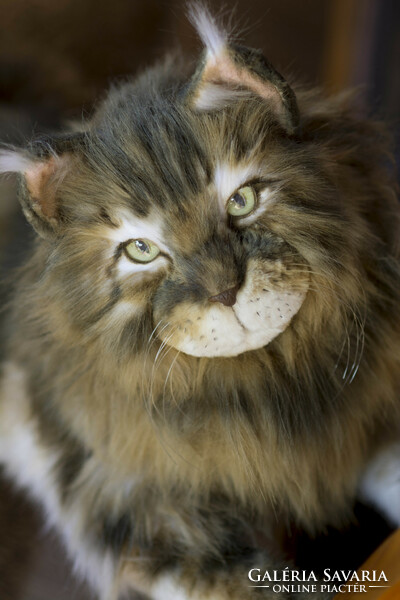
[(58, 56)]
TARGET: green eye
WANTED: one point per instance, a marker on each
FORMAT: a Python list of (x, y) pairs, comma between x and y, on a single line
[(242, 202), (143, 251)]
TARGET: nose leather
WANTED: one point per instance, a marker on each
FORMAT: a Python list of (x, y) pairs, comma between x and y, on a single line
[(227, 297)]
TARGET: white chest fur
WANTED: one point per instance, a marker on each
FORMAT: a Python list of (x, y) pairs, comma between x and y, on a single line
[(29, 463)]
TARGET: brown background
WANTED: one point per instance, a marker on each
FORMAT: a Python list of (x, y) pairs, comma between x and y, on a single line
[(58, 55)]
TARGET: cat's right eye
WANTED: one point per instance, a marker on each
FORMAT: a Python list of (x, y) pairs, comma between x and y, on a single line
[(242, 202), (141, 250)]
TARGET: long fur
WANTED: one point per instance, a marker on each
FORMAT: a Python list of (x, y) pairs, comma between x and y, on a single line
[(165, 463)]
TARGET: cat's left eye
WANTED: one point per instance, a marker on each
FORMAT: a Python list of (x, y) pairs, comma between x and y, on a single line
[(242, 202), (143, 251)]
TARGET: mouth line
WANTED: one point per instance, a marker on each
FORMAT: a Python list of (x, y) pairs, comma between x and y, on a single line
[(239, 321)]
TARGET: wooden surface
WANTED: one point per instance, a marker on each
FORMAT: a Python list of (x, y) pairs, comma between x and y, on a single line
[(386, 558)]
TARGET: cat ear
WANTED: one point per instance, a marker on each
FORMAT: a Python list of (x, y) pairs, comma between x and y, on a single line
[(40, 173), (229, 71)]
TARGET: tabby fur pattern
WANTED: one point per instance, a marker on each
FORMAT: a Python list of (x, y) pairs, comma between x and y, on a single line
[(163, 432)]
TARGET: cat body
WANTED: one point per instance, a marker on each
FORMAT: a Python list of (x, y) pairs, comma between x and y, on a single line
[(205, 342)]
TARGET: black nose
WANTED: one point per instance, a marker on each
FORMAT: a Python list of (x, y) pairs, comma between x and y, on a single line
[(228, 297)]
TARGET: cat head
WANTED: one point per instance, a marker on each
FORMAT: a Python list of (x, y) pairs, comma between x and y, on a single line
[(189, 211)]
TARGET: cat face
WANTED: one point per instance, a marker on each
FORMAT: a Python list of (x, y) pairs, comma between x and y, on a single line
[(185, 214), (220, 283), (194, 243)]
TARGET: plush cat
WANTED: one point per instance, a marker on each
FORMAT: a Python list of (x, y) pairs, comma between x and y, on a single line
[(204, 345)]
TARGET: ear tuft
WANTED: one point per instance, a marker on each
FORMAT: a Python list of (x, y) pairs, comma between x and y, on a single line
[(13, 162), (38, 182), (228, 72), (214, 38)]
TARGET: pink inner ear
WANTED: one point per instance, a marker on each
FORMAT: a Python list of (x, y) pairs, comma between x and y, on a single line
[(220, 70), (41, 186)]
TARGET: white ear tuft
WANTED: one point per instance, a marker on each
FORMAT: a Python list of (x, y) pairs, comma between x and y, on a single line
[(13, 162), (212, 36), (228, 72)]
